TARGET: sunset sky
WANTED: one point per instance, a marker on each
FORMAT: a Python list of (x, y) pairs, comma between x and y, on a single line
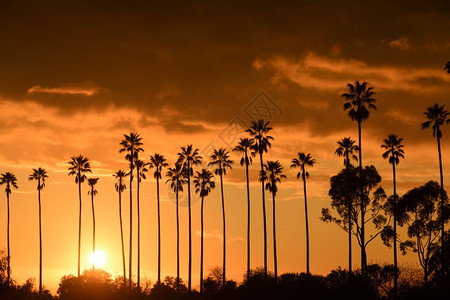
[(77, 75)]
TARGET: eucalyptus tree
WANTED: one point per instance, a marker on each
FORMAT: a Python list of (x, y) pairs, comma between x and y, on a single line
[(259, 130), (141, 169), (11, 182), (189, 157), (302, 161), (347, 149), (394, 151), (39, 175), (221, 159), (78, 166), (158, 161), (120, 187), (132, 145), (273, 175), (203, 185), (92, 182), (244, 146), (358, 101)]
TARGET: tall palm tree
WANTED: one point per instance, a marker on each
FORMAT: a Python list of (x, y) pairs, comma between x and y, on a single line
[(132, 145), (259, 131), (221, 159), (302, 161), (177, 177), (11, 182), (158, 162), (92, 182), (78, 166), (273, 174), (244, 146), (203, 185), (40, 175), (120, 187), (437, 116), (141, 169), (347, 148), (394, 151), (358, 101), (189, 157)]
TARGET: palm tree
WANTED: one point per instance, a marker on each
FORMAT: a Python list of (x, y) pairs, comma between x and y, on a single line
[(203, 185), (92, 182), (132, 145), (40, 175), (245, 145), (11, 181), (158, 162), (347, 148), (259, 131), (437, 116), (358, 100), (221, 159), (394, 152), (78, 166), (120, 187), (273, 174), (177, 177), (302, 161), (189, 157), (141, 169)]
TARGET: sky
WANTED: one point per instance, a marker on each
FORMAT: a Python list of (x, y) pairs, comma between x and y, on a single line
[(77, 75)]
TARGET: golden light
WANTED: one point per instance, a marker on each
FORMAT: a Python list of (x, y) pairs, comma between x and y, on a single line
[(97, 259)]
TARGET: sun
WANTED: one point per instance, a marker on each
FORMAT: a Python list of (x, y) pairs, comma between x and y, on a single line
[(97, 259)]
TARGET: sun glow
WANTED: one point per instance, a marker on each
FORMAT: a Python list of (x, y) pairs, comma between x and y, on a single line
[(97, 259)]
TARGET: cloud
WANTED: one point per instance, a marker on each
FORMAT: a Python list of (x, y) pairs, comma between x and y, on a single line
[(402, 43), (86, 89), (208, 235)]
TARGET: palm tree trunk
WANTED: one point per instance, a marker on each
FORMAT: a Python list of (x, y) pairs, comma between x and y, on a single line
[(130, 265), (363, 251), (159, 232), (444, 267), (201, 248), (178, 240), (138, 235), (224, 233), (248, 216), (9, 253), (93, 225), (40, 239), (190, 235), (275, 262), (79, 226), (349, 208), (307, 225), (121, 239), (395, 234), (264, 217)]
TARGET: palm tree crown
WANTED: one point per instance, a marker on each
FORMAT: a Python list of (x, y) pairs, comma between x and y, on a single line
[(245, 145), (10, 180), (347, 148), (437, 116), (78, 166), (221, 159), (92, 182), (203, 182), (158, 161), (259, 130), (120, 182), (359, 99), (177, 177), (303, 160), (189, 157), (393, 147), (40, 175), (273, 174)]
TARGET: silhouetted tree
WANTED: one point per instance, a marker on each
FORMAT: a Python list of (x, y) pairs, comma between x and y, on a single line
[(132, 145), (437, 116), (244, 146), (394, 151), (359, 99), (120, 187), (203, 185), (177, 177), (11, 182), (40, 175), (189, 157), (302, 161), (220, 158), (447, 67), (259, 131), (78, 166), (347, 148), (92, 182), (420, 211), (141, 169), (158, 161), (273, 174)]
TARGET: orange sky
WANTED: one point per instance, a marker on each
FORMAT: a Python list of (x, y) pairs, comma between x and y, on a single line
[(74, 77)]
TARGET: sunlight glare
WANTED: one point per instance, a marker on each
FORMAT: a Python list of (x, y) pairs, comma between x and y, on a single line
[(97, 259)]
